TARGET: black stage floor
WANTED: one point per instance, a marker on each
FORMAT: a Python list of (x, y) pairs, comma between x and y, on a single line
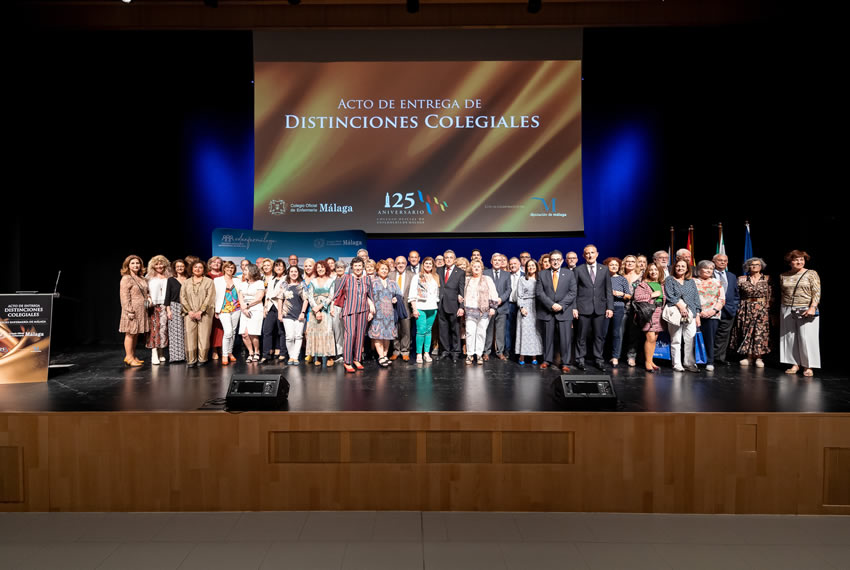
[(98, 381)]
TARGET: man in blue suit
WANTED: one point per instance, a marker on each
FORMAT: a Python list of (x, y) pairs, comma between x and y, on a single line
[(594, 306), (496, 327), (556, 295), (730, 309)]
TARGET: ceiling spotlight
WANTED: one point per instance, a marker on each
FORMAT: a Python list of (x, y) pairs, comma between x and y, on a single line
[(412, 6), (534, 6)]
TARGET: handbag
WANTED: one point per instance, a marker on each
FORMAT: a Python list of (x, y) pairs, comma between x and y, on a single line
[(148, 303), (662, 346), (699, 346), (339, 300), (672, 315), (643, 312), (800, 312)]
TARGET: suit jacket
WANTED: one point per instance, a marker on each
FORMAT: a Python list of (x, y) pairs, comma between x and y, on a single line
[(547, 295), (593, 298), (406, 280), (503, 287), (733, 298), (449, 290)]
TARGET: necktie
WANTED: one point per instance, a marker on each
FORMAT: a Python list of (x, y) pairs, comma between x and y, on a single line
[(497, 275), (593, 273), (722, 276), (400, 279), (555, 280), (448, 270)]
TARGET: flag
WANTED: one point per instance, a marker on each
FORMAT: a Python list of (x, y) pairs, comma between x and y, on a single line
[(690, 245), (748, 244), (721, 246)]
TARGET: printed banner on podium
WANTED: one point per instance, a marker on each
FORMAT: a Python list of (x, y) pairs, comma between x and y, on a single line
[(235, 245), (25, 337)]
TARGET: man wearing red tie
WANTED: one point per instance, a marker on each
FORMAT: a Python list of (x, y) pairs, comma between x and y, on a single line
[(452, 281), (594, 306), (556, 294)]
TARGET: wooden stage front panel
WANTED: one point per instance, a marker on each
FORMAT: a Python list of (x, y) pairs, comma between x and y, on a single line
[(601, 462)]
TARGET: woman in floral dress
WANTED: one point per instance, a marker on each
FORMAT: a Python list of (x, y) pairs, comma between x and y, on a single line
[(384, 327), (320, 335), (751, 334)]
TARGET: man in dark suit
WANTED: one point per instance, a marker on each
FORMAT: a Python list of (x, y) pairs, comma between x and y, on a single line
[(516, 273), (452, 281), (730, 309), (401, 346), (556, 294), (594, 306), (496, 327), (413, 261)]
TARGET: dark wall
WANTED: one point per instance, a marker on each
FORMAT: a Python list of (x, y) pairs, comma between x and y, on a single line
[(141, 142)]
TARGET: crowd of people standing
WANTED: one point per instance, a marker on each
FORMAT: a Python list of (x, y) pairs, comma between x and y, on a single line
[(549, 311)]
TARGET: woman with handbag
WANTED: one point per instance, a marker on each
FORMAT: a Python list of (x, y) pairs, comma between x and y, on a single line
[(135, 302), (799, 323), (751, 335), (682, 315), (648, 303), (712, 297), (159, 270)]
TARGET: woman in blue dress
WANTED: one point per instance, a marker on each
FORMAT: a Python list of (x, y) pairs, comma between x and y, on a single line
[(384, 327)]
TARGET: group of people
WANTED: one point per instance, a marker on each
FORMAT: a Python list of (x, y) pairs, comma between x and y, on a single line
[(537, 311)]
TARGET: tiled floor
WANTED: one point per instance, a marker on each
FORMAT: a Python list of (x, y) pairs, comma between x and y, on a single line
[(414, 540)]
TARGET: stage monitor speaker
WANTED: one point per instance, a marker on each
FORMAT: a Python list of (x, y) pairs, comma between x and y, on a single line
[(257, 392), (589, 392)]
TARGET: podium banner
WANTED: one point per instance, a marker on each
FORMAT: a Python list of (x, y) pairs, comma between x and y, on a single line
[(235, 245), (25, 337)]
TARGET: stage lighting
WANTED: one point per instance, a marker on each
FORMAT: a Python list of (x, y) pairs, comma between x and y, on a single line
[(412, 6), (534, 6)]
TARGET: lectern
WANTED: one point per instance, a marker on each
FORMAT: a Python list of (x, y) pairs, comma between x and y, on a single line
[(25, 322)]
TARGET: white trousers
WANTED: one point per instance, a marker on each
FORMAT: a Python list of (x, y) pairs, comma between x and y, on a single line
[(476, 334), (686, 332), (799, 340), (230, 324), (294, 336)]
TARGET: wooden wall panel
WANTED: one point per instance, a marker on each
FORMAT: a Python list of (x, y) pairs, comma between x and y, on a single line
[(701, 463), (11, 474)]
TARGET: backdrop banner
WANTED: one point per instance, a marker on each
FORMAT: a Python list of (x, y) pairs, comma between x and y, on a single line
[(25, 321), (235, 245)]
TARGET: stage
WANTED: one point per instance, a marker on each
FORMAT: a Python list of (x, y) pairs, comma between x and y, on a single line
[(442, 436), (98, 381)]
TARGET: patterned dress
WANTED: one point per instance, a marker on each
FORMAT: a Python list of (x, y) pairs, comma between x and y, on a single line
[(176, 331), (320, 334), (751, 334), (384, 325), (528, 339), (134, 291)]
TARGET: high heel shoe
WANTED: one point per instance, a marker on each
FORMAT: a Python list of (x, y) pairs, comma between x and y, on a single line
[(358, 366), (132, 363), (348, 367), (427, 357)]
